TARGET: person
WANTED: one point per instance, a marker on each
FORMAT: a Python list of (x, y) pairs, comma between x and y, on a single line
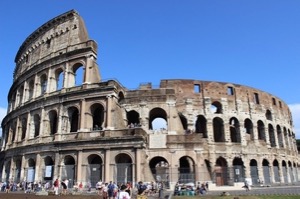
[(99, 187), (123, 194), (56, 185), (110, 190), (7, 188), (141, 194), (246, 185), (80, 186), (64, 186)]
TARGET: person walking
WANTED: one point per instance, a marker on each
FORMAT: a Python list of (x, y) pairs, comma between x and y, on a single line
[(56, 185)]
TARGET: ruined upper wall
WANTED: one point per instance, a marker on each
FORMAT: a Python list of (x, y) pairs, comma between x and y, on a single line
[(63, 31)]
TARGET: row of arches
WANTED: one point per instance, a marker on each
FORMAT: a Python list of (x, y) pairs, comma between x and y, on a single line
[(46, 82), (221, 172)]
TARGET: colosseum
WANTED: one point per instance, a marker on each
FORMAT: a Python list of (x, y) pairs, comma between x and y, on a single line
[(64, 121)]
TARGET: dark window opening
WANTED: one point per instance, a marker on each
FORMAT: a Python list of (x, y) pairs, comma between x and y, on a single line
[(230, 90), (256, 98)]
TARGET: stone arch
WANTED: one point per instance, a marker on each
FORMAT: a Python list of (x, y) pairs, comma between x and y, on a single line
[(284, 171), (59, 79), (77, 77), (290, 170), (261, 130), (248, 125), (269, 115), (31, 170), (69, 170), (272, 135), (18, 169), (36, 122), (221, 172), (97, 113), (276, 171), (53, 121), (30, 89), (216, 107), (201, 125), (123, 168), (156, 113), (121, 97), (133, 118), (49, 169), (7, 170), (186, 170), (238, 169), (24, 127), (43, 84), (20, 95), (218, 126), (266, 172), (183, 121), (279, 136), (254, 172), (234, 128), (94, 169), (159, 167), (73, 115)]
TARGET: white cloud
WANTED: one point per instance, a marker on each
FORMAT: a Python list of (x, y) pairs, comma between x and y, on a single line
[(295, 109), (3, 112)]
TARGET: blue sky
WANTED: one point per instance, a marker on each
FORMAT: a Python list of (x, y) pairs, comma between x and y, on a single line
[(249, 42)]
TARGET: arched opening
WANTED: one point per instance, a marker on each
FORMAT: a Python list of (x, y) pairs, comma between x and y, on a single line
[(123, 171), (279, 136), (30, 89), (49, 169), (68, 170), (216, 107), (234, 127), (272, 136), (133, 119), (43, 84), (24, 128), (160, 170), (21, 95), (160, 117), (31, 170), (59, 77), (266, 171), (73, 115), (18, 169), (276, 171), (37, 122), (94, 170), (238, 170), (269, 115), (201, 125), (291, 171), (284, 171), (218, 125), (254, 172), (261, 130), (186, 170), (221, 172), (249, 129), (183, 121), (97, 111), (53, 122), (121, 97)]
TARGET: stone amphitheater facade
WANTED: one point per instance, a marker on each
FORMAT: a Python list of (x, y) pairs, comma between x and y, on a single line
[(63, 123)]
